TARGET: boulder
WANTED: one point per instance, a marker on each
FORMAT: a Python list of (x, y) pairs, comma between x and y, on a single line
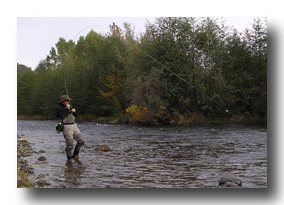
[(227, 181), (102, 148)]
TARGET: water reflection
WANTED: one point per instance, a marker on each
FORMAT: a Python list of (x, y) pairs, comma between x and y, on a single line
[(73, 172)]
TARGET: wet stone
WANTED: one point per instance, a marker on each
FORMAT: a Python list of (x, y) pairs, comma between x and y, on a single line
[(230, 185), (42, 183), (41, 176), (103, 148), (228, 181), (42, 158), (22, 139), (41, 151)]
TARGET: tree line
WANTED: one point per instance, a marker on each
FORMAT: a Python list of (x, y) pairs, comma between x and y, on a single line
[(179, 71)]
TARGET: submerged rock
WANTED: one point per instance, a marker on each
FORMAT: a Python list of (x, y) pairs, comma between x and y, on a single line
[(40, 163), (103, 148), (228, 181)]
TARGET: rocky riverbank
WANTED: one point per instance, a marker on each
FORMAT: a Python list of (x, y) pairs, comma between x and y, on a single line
[(25, 173), (26, 177)]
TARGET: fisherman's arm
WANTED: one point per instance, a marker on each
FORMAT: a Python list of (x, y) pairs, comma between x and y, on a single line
[(61, 113), (72, 110)]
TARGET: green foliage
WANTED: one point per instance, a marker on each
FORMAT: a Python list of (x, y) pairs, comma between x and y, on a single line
[(201, 69), (25, 88)]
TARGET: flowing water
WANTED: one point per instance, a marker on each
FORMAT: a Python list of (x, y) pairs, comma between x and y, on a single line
[(146, 157)]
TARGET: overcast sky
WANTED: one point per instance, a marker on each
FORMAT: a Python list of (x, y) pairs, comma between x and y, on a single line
[(36, 36)]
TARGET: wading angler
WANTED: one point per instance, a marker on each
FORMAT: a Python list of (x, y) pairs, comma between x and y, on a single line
[(67, 115)]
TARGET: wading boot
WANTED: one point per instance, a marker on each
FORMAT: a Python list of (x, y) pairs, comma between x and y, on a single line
[(75, 154), (69, 156)]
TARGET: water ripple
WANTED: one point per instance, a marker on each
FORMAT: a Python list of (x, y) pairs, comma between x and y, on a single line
[(141, 157)]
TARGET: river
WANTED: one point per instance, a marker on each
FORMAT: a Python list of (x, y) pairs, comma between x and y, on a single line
[(149, 157)]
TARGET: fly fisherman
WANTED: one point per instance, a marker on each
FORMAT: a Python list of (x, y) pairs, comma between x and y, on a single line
[(70, 130)]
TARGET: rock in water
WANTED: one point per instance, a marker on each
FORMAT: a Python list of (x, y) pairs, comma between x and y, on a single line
[(42, 158), (103, 148), (22, 139), (42, 182), (230, 185), (228, 181)]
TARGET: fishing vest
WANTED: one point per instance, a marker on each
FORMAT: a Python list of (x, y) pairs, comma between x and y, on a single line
[(70, 119)]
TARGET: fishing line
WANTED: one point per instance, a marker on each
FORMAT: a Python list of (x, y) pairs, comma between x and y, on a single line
[(146, 54), (64, 66), (177, 75)]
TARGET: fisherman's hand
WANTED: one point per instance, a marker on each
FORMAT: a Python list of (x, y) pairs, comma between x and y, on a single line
[(73, 110)]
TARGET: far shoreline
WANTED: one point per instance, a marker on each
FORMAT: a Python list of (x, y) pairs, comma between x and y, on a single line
[(244, 120)]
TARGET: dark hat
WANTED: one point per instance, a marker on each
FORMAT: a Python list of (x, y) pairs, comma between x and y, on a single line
[(64, 98)]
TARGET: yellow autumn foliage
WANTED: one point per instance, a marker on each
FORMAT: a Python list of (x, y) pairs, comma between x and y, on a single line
[(139, 113)]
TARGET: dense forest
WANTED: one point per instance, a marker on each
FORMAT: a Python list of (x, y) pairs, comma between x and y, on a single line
[(179, 71)]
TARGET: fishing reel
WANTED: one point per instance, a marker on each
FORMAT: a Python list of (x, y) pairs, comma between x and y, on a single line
[(59, 127)]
